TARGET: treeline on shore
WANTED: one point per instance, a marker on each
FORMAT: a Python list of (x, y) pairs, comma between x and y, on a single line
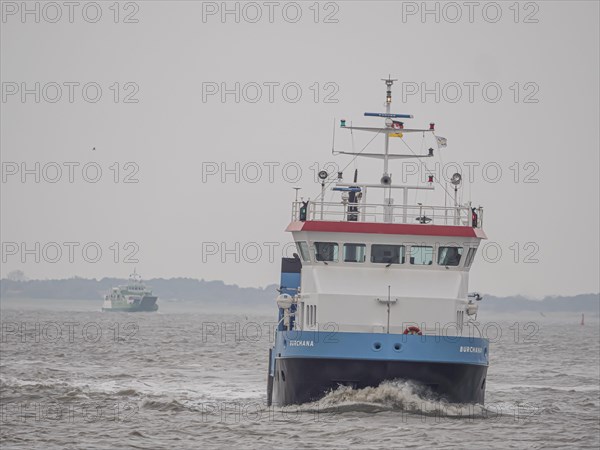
[(217, 292)]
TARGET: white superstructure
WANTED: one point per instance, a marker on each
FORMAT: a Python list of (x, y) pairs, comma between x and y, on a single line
[(358, 257)]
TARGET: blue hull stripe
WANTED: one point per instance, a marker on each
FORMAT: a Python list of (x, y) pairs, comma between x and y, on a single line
[(380, 346)]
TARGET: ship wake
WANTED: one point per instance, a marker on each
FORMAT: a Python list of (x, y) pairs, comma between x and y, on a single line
[(395, 395)]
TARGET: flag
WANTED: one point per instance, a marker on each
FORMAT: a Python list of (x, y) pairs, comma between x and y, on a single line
[(441, 141), (397, 125), (396, 134)]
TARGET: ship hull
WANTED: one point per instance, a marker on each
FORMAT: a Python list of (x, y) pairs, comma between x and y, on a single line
[(305, 366), (308, 380), (147, 304)]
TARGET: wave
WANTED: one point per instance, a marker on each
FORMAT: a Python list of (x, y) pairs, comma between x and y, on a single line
[(12, 382), (127, 392), (67, 389), (396, 395), (169, 405), (510, 387)]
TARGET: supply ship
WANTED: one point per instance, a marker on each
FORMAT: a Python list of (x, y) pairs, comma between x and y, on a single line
[(378, 288), (132, 297)]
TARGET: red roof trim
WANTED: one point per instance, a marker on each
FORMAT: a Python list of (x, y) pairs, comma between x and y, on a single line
[(387, 228)]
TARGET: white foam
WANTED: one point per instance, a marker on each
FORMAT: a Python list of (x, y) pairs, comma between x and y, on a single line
[(393, 395)]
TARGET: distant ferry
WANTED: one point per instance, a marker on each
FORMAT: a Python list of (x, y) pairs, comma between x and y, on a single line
[(132, 297), (379, 289)]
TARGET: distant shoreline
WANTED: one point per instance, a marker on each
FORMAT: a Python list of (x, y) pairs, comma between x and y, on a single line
[(218, 294)]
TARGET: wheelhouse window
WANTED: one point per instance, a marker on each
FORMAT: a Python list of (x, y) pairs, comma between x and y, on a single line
[(326, 251), (449, 256), (470, 257), (356, 253), (421, 255), (387, 254), (303, 250)]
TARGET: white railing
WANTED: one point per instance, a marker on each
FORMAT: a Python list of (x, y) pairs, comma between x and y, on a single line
[(381, 213)]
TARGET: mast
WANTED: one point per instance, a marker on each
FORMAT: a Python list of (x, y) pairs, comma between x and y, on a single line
[(391, 128), (386, 179), (388, 103)]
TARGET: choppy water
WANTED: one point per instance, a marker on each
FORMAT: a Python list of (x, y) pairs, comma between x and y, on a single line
[(175, 379)]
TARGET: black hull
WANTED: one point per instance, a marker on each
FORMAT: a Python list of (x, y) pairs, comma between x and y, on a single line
[(301, 380)]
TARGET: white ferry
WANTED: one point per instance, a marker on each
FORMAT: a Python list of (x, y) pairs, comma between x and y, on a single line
[(379, 289), (134, 296)]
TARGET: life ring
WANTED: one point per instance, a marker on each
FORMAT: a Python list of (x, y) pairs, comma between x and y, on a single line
[(413, 330)]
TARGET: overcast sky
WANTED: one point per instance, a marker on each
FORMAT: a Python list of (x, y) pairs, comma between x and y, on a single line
[(528, 105)]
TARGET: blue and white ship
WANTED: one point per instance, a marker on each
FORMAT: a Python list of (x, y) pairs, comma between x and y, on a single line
[(378, 289)]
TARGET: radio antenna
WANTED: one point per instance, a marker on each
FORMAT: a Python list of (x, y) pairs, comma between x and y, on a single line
[(333, 138)]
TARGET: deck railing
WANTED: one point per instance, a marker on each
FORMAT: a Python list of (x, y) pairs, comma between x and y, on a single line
[(381, 213)]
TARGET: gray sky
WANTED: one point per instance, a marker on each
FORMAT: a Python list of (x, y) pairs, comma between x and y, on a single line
[(533, 113)]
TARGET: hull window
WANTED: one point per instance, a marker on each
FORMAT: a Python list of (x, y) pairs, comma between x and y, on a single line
[(387, 254), (326, 251), (303, 250), (302, 319), (470, 257), (460, 319), (311, 315), (421, 255), (449, 256), (355, 253)]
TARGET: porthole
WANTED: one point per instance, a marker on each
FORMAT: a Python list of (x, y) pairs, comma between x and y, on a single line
[(377, 346)]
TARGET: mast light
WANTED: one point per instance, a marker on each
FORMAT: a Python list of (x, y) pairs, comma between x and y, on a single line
[(456, 179)]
